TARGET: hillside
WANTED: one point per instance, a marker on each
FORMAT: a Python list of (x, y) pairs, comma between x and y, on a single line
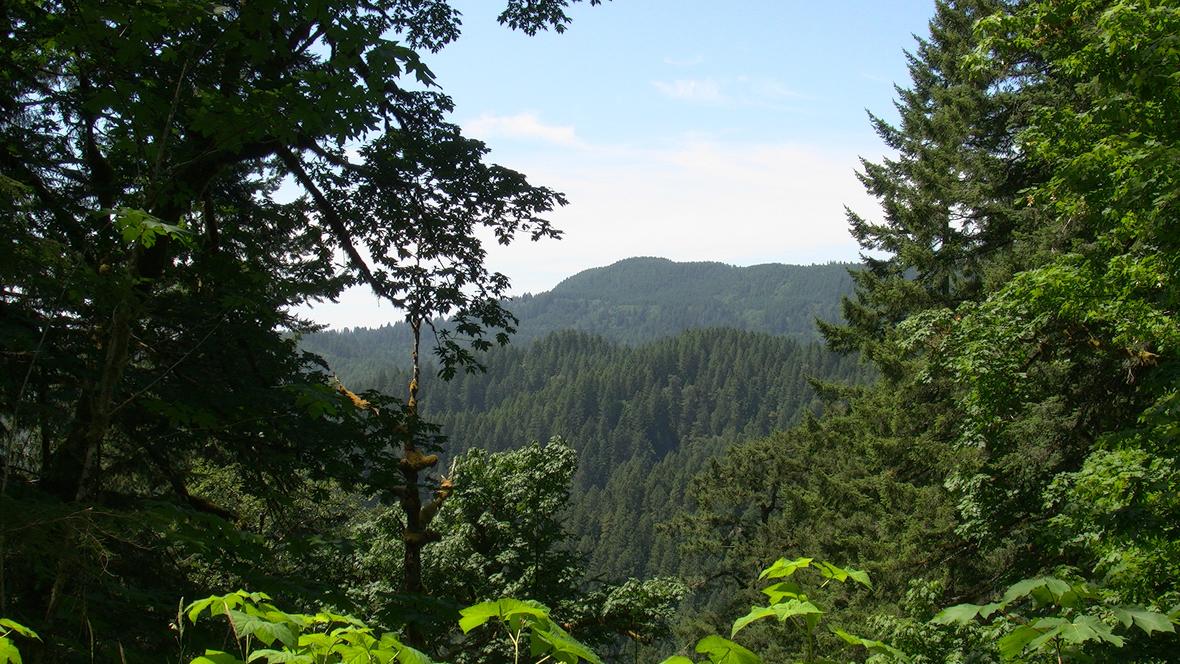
[(647, 367), (640, 299), (634, 301), (643, 419)]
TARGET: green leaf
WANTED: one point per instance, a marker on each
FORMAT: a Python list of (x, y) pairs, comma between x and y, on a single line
[(783, 590), (784, 568), (780, 611), (1148, 621), (281, 657), (1081, 630), (677, 659), (474, 616), (8, 651), (218, 604), (756, 613), (964, 613), (724, 651), (860, 576), (1021, 589), (408, 655), (1046, 590), (12, 625), (327, 618), (1014, 642), (315, 640), (874, 647), (194, 610), (559, 643), (842, 574), (1050, 628), (216, 657), (262, 629)]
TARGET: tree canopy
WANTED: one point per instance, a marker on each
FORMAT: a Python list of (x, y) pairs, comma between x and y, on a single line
[(151, 267)]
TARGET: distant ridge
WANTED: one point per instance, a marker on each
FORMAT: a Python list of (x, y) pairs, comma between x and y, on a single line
[(638, 300), (642, 299)]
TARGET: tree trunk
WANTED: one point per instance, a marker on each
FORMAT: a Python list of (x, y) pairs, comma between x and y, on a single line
[(73, 470)]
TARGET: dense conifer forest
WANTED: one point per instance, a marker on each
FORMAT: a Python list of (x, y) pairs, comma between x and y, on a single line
[(643, 419), (980, 463)]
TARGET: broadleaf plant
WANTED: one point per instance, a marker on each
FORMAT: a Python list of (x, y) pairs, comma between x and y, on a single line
[(793, 609), (323, 637), (1058, 617), (547, 640)]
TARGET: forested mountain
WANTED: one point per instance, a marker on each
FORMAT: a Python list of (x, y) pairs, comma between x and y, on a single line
[(622, 364), (634, 301), (640, 299), (1022, 434)]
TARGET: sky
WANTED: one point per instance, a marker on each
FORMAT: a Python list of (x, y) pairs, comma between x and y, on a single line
[(690, 130)]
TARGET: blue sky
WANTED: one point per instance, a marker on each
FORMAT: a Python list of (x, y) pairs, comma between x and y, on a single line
[(692, 130)]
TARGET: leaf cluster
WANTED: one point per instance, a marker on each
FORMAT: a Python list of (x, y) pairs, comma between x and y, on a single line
[(1060, 617)]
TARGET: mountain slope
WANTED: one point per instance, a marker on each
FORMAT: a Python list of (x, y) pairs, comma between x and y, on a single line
[(647, 367), (643, 419), (635, 301), (641, 299)]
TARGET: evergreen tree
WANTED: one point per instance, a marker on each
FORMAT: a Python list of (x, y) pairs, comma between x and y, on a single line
[(948, 195)]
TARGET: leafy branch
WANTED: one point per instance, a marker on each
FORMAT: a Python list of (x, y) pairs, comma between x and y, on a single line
[(1071, 619), (547, 640), (795, 610)]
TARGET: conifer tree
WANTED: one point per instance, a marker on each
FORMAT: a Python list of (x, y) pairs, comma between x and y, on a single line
[(947, 196)]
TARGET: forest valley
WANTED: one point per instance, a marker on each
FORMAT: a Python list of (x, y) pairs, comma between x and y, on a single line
[(979, 464)]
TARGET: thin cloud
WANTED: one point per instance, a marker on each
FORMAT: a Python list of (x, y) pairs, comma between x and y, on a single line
[(694, 198), (699, 90), (526, 126)]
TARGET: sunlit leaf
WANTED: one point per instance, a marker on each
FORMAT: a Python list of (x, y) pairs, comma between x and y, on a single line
[(504, 609), (281, 657), (216, 657), (724, 651), (783, 568), (14, 626), (560, 643), (8, 651), (264, 630), (781, 612), (874, 647)]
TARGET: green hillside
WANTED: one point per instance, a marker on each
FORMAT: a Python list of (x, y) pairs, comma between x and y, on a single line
[(634, 301), (647, 367), (639, 417), (640, 299)]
